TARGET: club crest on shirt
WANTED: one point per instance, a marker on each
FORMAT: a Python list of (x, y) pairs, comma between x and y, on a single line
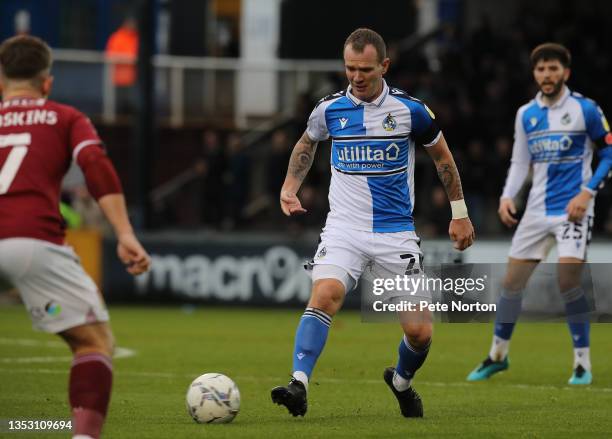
[(389, 123), (566, 119), (321, 253), (533, 121)]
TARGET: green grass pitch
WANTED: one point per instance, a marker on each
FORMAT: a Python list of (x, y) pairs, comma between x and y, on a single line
[(347, 396)]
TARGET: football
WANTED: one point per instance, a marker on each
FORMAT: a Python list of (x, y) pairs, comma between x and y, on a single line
[(213, 398)]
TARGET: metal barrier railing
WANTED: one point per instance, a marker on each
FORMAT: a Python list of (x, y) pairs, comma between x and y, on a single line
[(187, 88)]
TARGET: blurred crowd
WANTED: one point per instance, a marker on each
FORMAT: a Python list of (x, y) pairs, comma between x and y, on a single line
[(481, 79), (474, 84)]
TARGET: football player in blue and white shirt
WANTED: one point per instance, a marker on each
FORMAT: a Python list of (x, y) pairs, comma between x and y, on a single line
[(555, 134), (374, 130)]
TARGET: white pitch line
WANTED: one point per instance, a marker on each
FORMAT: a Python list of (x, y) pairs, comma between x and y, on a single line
[(239, 378), (123, 352), (441, 384), (20, 360), (31, 342), (120, 352)]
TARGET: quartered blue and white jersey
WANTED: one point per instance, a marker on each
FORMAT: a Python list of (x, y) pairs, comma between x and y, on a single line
[(558, 141), (372, 157)]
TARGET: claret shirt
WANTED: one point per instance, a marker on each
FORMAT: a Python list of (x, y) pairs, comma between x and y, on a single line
[(39, 139)]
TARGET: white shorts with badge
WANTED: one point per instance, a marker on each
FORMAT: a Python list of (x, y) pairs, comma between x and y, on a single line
[(57, 292), (346, 255), (536, 234)]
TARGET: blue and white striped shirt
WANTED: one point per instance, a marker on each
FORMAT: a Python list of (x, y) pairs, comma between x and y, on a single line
[(558, 141), (372, 156)]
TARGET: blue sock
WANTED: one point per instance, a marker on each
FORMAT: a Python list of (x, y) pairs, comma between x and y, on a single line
[(410, 359), (508, 310), (310, 339), (577, 310)]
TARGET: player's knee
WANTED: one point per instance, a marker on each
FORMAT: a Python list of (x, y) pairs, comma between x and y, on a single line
[(90, 338), (105, 341), (568, 285), (568, 282), (513, 286), (570, 275), (326, 303), (108, 344), (419, 335), (327, 295), (513, 282)]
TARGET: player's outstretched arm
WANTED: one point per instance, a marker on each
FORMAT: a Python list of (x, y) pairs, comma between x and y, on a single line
[(104, 185), (299, 165), (129, 249), (461, 231)]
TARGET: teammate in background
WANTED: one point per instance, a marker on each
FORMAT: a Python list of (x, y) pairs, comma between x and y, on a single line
[(374, 131), (38, 140), (555, 134)]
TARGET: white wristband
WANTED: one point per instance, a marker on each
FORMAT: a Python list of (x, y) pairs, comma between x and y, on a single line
[(589, 190), (459, 209)]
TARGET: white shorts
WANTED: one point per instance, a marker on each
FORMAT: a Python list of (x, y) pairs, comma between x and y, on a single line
[(536, 234), (57, 292), (356, 253)]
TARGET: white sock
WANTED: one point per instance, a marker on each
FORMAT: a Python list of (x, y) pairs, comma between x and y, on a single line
[(499, 348), (301, 376), (582, 356), (400, 383), (82, 436)]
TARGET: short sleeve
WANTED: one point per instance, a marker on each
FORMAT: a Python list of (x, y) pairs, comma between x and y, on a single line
[(82, 134), (317, 126), (425, 130)]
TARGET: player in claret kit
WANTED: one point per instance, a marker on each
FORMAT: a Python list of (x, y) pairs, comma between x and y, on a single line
[(375, 130), (39, 139), (555, 134)]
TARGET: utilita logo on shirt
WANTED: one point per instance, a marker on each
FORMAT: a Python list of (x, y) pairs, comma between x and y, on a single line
[(550, 145), (367, 153)]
